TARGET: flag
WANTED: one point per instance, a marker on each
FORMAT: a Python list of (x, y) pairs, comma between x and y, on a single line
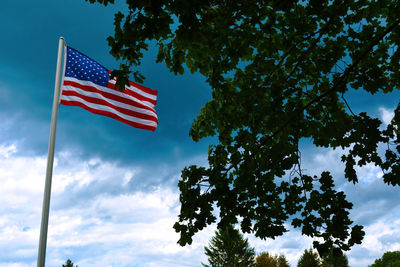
[(87, 84)]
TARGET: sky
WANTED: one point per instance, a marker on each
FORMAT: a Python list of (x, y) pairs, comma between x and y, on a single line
[(114, 193)]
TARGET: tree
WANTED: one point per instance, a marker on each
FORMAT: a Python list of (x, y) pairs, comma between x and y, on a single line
[(228, 248), (267, 260), (389, 259), (282, 262), (309, 258), (279, 73), (335, 258), (69, 263)]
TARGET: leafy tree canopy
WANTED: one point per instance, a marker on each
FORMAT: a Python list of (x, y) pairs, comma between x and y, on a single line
[(268, 260), (389, 259), (229, 248), (279, 73)]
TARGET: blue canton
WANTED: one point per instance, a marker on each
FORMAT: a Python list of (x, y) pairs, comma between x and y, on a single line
[(84, 68)]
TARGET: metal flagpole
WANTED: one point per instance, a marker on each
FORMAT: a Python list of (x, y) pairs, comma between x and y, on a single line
[(50, 158)]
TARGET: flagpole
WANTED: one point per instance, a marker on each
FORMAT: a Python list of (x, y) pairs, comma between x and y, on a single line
[(50, 158)]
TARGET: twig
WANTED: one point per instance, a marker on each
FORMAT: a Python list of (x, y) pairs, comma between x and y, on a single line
[(344, 99)]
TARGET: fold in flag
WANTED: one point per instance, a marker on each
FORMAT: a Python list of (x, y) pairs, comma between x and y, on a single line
[(87, 84)]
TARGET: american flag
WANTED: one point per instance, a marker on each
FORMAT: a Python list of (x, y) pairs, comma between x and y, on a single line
[(87, 84)]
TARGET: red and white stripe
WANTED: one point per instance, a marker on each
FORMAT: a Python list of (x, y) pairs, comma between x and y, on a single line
[(134, 106), (146, 95)]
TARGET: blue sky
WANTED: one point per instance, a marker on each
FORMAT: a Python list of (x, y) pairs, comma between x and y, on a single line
[(114, 196)]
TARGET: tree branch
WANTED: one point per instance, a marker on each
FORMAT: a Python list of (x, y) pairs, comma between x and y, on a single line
[(334, 88)]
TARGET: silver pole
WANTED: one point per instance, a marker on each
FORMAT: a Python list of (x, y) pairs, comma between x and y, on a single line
[(50, 158)]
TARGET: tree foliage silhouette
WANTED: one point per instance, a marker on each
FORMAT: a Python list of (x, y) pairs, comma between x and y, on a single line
[(228, 248), (279, 72)]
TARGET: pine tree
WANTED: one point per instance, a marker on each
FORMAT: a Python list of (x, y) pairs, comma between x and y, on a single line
[(228, 248), (69, 263), (309, 258), (335, 258), (282, 262)]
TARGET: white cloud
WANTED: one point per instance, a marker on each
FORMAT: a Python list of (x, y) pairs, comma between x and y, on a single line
[(386, 115), (290, 244), (6, 151), (325, 159), (368, 173), (112, 226), (381, 236)]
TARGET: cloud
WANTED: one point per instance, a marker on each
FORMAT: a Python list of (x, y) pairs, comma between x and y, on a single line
[(386, 115), (381, 236), (6, 151), (114, 224), (291, 245)]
